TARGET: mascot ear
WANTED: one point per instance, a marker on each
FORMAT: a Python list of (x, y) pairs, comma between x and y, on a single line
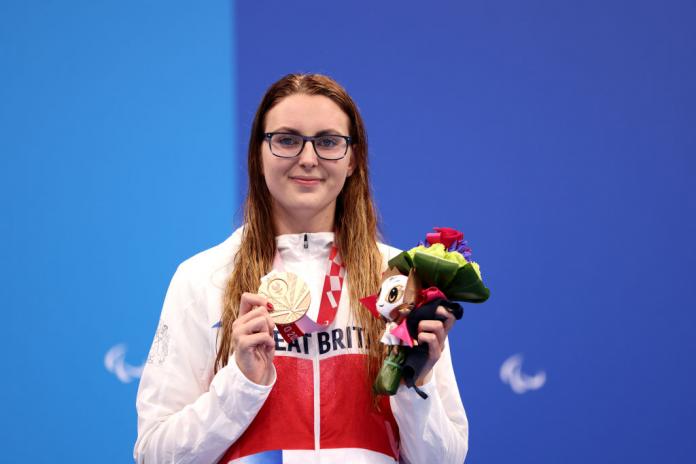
[(389, 273), (413, 287), (370, 302)]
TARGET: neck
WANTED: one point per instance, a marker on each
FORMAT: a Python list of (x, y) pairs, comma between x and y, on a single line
[(299, 222)]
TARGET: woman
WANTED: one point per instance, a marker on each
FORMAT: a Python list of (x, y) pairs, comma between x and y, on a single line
[(221, 385)]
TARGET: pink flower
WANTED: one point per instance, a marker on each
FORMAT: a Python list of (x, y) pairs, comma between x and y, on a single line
[(445, 235)]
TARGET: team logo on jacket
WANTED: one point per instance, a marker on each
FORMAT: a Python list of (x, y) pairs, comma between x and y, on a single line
[(160, 346)]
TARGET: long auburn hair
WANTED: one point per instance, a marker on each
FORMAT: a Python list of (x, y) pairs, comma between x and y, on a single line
[(355, 221)]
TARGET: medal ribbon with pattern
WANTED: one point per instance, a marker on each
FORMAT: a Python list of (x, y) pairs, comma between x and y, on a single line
[(291, 298)]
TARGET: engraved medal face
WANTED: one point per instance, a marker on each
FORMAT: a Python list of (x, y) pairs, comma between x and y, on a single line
[(289, 296)]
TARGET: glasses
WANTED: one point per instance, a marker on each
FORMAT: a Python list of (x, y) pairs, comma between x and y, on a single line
[(328, 147)]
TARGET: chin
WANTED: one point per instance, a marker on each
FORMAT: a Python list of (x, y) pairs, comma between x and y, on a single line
[(305, 207)]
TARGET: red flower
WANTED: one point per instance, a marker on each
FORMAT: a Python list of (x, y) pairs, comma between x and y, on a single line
[(445, 235)]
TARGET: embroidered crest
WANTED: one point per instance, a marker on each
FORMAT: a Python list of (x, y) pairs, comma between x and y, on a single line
[(160, 346)]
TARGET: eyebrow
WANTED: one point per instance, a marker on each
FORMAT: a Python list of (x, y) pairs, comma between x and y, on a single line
[(291, 130)]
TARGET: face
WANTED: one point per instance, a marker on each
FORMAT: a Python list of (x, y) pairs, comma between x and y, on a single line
[(391, 294), (306, 186)]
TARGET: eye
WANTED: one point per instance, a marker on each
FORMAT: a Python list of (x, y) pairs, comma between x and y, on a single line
[(327, 142), (395, 294), (286, 140)]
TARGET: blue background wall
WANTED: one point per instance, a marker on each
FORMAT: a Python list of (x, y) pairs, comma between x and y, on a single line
[(558, 135)]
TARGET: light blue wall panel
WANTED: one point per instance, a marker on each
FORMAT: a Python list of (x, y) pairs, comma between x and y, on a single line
[(116, 163)]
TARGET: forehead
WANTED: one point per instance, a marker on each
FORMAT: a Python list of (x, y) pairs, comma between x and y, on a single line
[(395, 280), (307, 114)]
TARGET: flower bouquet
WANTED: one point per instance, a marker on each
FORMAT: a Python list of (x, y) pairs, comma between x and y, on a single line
[(437, 272)]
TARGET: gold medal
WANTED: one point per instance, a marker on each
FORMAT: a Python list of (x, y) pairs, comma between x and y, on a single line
[(289, 296)]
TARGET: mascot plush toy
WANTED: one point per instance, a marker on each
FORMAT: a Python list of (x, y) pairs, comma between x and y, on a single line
[(438, 272)]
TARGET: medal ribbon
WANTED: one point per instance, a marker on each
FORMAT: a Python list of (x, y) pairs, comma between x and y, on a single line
[(333, 287), (330, 298)]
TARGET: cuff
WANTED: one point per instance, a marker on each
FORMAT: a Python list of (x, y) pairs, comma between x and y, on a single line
[(405, 395)]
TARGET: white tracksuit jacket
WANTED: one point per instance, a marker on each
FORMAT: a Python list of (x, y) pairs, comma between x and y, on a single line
[(315, 411)]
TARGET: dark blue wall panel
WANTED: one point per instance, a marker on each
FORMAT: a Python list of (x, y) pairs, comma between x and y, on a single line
[(560, 137)]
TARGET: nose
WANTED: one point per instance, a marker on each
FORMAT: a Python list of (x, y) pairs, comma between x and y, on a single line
[(307, 157)]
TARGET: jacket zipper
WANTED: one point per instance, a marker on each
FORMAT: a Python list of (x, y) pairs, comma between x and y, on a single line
[(317, 383), (317, 402)]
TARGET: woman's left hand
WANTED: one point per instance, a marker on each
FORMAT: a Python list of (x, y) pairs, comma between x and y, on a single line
[(433, 332)]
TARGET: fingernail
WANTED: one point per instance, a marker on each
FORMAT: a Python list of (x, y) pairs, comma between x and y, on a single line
[(270, 305)]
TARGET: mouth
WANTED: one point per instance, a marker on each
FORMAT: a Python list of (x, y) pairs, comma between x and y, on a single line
[(306, 180)]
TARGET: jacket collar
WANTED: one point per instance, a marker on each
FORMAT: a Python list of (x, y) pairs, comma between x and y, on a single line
[(305, 245)]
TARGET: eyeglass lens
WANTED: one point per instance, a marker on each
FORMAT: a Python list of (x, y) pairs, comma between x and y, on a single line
[(326, 146)]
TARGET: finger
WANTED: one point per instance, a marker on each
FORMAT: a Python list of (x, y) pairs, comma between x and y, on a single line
[(271, 325), (255, 325), (435, 327), (240, 325), (261, 340), (249, 300), (255, 312), (449, 317), (434, 347), (430, 325)]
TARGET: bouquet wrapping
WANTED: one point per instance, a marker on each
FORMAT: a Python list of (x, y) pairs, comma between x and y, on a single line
[(437, 272)]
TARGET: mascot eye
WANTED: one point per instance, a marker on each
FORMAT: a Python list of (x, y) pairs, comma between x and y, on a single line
[(394, 294)]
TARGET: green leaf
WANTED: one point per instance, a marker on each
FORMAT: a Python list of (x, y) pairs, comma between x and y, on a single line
[(467, 286), (402, 262), (434, 271)]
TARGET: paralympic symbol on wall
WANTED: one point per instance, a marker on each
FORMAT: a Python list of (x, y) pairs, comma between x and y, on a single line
[(115, 362), (511, 373)]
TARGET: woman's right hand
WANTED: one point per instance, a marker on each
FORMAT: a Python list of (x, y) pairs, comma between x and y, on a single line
[(252, 339)]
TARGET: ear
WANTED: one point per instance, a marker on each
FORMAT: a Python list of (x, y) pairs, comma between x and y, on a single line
[(413, 287), (263, 173), (392, 271), (351, 165)]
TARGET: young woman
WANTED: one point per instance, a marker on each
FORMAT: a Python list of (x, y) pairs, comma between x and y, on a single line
[(221, 385)]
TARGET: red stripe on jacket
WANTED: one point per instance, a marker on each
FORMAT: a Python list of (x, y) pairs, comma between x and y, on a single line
[(348, 419)]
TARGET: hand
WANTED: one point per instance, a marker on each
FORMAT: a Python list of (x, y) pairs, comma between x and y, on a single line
[(252, 339), (434, 333)]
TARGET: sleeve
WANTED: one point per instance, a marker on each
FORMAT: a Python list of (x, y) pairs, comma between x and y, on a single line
[(183, 416), (435, 429)]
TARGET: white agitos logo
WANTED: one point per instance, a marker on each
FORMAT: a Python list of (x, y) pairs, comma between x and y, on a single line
[(511, 373), (115, 362)]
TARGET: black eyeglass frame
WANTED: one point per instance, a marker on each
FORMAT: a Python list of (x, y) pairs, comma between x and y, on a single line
[(305, 139)]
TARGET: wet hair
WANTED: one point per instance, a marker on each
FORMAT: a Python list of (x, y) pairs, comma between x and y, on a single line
[(355, 221)]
